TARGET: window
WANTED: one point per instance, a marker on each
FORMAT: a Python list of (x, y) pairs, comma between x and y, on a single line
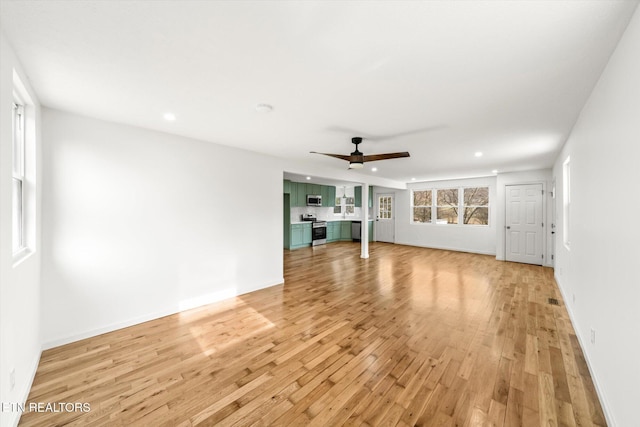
[(385, 208), (422, 200), (566, 201), (18, 234), (23, 173), (447, 207), (476, 206), (464, 205)]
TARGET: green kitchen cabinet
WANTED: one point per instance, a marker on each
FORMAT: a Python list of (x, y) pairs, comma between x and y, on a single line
[(293, 189), (358, 196), (300, 196), (286, 186), (333, 231), (300, 235), (328, 196), (345, 230), (371, 231)]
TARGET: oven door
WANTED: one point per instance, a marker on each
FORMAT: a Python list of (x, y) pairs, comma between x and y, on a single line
[(318, 234)]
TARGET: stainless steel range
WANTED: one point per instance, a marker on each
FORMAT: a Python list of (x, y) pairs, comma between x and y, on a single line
[(318, 233), (318, 230)]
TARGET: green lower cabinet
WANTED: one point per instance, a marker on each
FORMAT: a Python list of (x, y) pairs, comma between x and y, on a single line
[(345, 230), (300, 235), (371, 231), (333, 231)]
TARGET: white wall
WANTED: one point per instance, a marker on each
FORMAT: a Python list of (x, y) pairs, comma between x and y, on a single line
[(601, 268), (20, 336), (140, 224), (516, 178), (477, 239)]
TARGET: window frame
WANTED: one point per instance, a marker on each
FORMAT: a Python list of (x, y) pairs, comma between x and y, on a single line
[(18, 147), (460, 206), (25, 137), (413, 206), (465, 206)]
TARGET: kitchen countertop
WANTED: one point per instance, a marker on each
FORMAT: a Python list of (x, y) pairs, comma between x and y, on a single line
[(330, 220)]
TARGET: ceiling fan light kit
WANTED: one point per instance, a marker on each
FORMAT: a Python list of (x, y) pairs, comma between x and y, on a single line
[(357, 159)]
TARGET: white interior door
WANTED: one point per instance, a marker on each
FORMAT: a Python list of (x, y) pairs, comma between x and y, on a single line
[(385, 218), (524, 223)]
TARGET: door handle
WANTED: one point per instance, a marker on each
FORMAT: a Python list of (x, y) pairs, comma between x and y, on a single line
[(508, 227)]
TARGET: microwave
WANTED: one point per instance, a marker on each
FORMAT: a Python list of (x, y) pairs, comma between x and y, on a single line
[(314, 200)]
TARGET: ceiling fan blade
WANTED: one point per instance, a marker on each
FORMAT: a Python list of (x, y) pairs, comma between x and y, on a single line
[(337, 156), (374, 157)]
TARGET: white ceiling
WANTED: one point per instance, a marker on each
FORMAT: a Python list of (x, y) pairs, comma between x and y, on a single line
[(440, 79)]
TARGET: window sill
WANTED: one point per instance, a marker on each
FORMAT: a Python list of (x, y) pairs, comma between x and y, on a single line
[(20, 256)]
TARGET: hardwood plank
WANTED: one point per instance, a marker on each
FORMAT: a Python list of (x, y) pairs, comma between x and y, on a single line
[(410, 336)]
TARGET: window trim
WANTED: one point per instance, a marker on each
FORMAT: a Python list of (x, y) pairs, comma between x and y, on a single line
[(413, 206), (18, 175), (27, 172), (461, 206)]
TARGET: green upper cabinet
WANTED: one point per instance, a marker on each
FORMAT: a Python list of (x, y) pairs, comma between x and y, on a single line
[(293, 188), (299, 191), (298, 194), (303, 190), (358, 196), (328, 196)]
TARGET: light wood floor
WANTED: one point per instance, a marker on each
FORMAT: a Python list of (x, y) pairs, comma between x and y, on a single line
[(410, 336)]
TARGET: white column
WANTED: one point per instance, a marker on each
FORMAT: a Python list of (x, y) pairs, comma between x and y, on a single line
[(364, 242)]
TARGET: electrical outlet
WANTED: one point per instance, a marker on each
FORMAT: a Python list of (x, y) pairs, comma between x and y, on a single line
[(560, 271), (593, 336), (12, 378)]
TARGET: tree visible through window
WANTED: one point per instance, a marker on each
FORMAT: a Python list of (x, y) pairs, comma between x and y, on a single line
[(476, 206), (463, 205), (447, 207), (422, 205)]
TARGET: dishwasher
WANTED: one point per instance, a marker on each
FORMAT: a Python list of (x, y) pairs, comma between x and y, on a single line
[(356, 230)]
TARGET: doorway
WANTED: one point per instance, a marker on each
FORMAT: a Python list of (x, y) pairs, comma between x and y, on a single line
[(524, 224)]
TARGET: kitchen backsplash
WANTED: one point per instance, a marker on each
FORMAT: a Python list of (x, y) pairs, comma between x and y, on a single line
[(325, 214)]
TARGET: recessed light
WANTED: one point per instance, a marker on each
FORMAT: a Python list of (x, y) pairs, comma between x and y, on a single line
[(413, 179), (169, 117), (494, 171), (478, 154), (374, 169), (264, 108), (308, 178)]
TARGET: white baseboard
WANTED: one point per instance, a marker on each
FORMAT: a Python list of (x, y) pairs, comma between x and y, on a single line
[(14, 417), (603, 401), (467, 250), (180, 306)]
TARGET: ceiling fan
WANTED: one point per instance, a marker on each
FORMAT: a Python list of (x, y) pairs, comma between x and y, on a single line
[(356, 159)]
